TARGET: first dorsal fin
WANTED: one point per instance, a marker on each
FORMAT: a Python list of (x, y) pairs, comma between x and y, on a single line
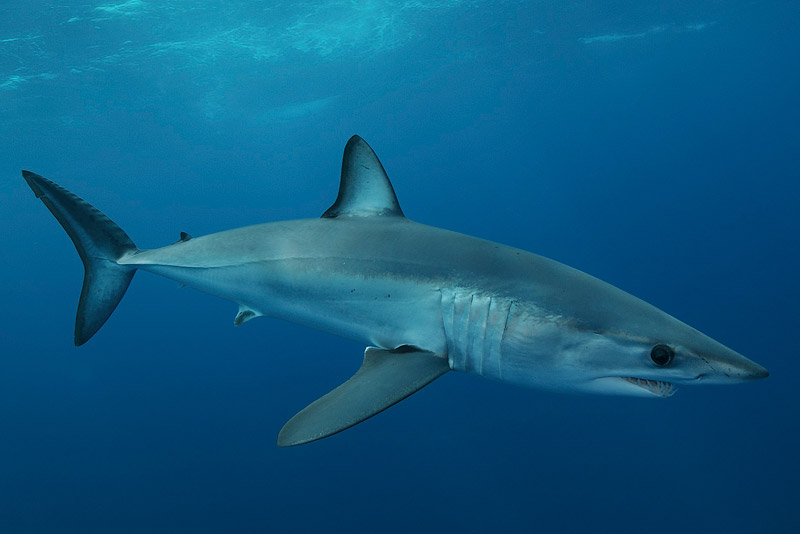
[(365, 190)]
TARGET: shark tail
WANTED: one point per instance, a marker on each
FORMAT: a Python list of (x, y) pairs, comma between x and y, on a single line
[(100, 243)]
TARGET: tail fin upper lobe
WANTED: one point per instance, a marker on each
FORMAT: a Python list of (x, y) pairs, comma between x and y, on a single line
[(100, 243)]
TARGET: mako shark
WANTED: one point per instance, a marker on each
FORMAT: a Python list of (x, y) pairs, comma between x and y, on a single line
[(424, 300)]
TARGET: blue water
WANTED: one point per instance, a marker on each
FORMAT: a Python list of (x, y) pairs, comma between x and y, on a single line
[(651, 144)]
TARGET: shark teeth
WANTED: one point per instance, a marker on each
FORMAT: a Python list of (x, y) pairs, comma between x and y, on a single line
[(656, 387)]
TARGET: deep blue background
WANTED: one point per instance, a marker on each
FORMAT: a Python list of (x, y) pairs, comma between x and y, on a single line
[(655, 147)]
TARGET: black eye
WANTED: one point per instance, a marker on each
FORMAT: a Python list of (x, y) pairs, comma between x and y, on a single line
[(662, 355)]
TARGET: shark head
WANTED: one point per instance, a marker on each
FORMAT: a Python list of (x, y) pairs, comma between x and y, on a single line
[(629, 363), (596, 338)]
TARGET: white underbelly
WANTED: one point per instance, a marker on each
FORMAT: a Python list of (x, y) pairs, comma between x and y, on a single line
[(383, 311)]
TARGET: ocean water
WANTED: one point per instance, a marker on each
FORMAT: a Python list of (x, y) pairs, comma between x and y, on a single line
[(651, 144)]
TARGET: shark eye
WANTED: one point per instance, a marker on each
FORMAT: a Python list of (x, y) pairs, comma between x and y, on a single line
[(662, 355)]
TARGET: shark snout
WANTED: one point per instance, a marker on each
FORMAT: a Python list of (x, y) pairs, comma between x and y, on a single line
[(730, 366), (750, 370)]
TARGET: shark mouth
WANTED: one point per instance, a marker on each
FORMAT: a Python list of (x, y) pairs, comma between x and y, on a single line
[(656, 387)]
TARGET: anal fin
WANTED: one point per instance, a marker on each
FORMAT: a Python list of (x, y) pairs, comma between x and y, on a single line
[(385, 378)]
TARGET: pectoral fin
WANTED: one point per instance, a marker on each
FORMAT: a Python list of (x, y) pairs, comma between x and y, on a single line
[(385, 378)]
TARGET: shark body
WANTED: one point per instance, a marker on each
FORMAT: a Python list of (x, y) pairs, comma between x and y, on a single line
[(424, 300)]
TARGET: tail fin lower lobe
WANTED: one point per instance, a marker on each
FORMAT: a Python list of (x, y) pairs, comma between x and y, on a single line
[(100, 243)]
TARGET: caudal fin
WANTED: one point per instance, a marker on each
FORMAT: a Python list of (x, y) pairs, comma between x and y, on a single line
[(100, 244)]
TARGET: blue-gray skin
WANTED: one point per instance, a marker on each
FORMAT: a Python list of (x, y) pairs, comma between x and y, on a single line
[(426, 300)]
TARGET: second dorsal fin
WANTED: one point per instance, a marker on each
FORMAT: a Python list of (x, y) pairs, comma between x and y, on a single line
[(365, 190)]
